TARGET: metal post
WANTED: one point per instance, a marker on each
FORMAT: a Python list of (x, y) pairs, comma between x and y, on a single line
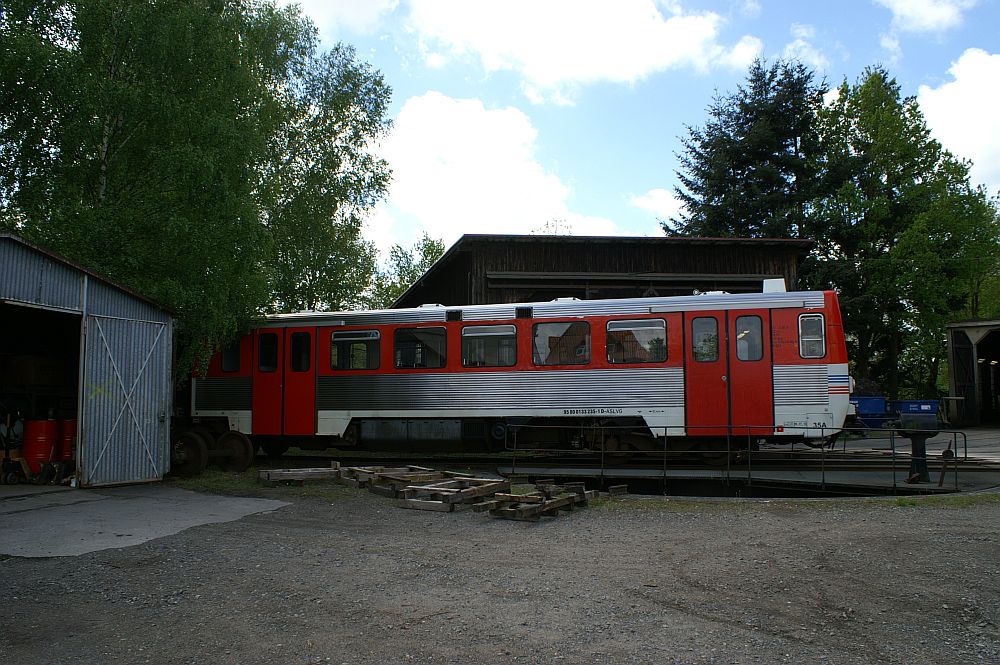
[(892, 445), (822, 464), (663, 475), (918, 457), (513, 461)]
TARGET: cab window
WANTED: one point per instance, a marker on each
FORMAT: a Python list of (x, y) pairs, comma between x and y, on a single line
[(812, 336)]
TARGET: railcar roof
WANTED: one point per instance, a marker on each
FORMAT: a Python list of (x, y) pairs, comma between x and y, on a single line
[(554, 309)]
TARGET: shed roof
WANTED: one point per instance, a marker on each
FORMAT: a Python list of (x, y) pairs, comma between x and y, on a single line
[(469, 241), (8, 235)]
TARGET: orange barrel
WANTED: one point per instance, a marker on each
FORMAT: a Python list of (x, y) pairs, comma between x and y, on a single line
[(66, 447), (40, 438)]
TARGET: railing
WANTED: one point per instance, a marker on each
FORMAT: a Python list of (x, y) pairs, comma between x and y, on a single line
[(739, 449)]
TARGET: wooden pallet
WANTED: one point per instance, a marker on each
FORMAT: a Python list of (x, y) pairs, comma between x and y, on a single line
[(445, 495), (546, 500)]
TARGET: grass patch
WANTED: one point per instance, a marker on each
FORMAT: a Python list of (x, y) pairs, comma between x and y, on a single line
[(947, 500), (232, 483)]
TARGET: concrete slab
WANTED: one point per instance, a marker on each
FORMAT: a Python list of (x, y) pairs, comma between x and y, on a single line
[(22, 490), (83, 521)]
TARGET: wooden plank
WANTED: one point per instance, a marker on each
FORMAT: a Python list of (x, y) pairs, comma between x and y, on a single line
[(520, 498), (297, 474), (470, 493), (419, 504), (383, 490), (508, 514), (412, 477)]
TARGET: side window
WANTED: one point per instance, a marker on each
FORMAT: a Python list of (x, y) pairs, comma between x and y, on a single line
[(300, 352), (420, 347), (749, 338), (812, 336), (489, 346), (705, 339), (562, 343), (637, 341), (231, 357), (355, 349), (267, 352)]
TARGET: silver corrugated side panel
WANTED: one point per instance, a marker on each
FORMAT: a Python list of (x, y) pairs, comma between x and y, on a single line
[(106, 300), (125, 400), (31, 277)]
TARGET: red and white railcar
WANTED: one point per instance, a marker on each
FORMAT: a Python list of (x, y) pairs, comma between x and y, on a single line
[(753, 366)]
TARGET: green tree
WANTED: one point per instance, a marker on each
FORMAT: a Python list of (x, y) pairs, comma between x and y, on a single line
[(131, 134), (199, 151), (750, 171), (404, 269), (900, 233), (320, 181)]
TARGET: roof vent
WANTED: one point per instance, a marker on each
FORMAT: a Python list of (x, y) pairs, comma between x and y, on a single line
[(774, 285), (453, 315), (430, 304), (523, 312), (566, 299)]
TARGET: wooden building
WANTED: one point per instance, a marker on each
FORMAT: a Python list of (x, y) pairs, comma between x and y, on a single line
[(974, 372), (484, 269)]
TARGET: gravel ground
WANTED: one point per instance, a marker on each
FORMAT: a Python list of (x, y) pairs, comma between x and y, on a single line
[(353, 579)]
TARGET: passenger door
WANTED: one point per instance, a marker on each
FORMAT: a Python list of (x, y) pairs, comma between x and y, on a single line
[(268, 345), (751, 392), (300, 382), (706, 390)]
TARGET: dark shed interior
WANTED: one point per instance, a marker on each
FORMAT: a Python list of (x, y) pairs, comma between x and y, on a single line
[(39, 363)]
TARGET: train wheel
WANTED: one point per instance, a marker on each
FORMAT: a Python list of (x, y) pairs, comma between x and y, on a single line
[(205, 434), (274, 450), (188, 454), (240, 451)]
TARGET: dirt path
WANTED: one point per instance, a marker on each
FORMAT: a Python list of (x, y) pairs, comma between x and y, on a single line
[(358, 580)]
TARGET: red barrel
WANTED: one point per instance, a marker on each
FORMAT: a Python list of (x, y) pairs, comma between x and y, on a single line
[(40, 437), (66, 447)]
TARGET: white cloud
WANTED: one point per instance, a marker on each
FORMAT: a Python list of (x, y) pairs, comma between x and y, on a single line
[(962, 113), (661, 202), (750, 8), (459, 167), (891, 45), (926, 15), (802, 49), (558, 45), (331, 15)]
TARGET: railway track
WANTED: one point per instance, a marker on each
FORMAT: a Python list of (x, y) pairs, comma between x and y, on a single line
[(803, 460)]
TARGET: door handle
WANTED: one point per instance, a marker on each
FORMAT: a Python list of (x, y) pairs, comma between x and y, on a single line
[(724, 377)]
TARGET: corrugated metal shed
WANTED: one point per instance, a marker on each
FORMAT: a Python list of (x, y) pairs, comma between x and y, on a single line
[(124, 391), (493, 269)]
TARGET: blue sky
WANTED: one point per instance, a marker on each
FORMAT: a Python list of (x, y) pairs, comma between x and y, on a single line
[(517, 116)]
